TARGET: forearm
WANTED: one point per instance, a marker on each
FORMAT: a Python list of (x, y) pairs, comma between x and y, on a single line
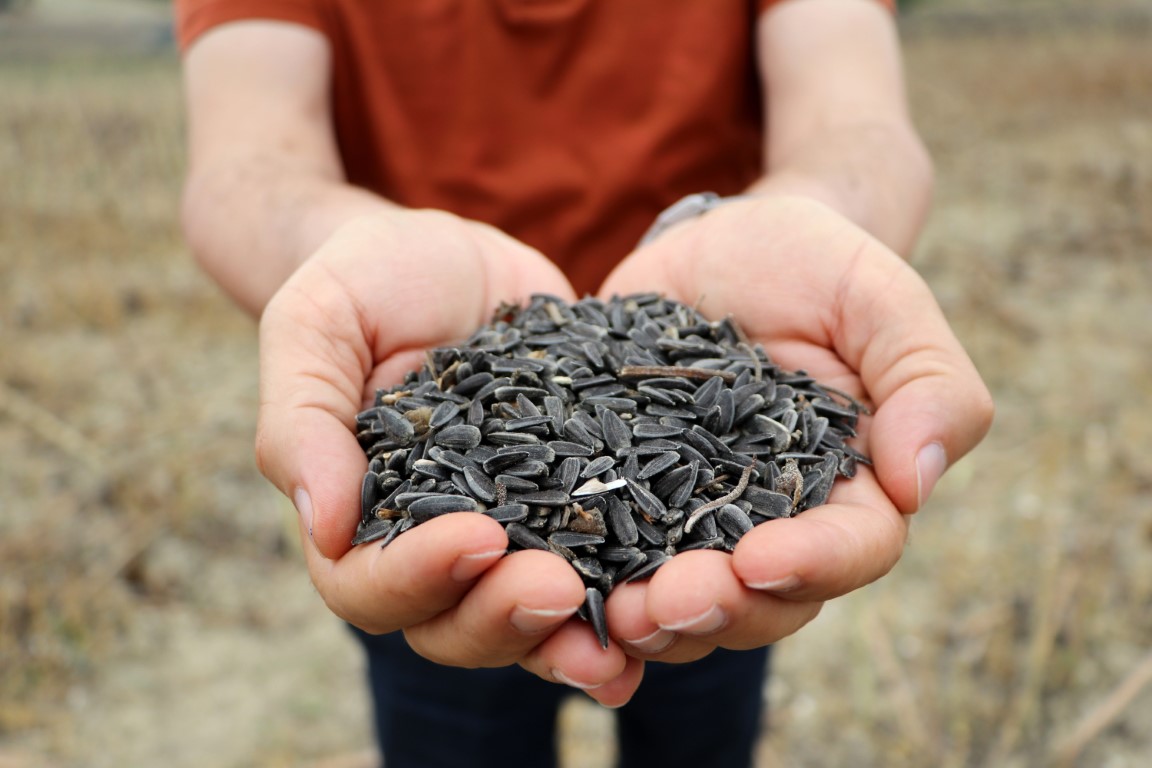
[(265, 185), (250, 221), (836, 109), (877, 174)]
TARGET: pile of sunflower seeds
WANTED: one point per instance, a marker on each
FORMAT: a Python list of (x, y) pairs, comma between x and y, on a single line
[(614, 434)]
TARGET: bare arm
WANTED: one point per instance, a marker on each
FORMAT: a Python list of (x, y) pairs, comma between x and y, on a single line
[(265, 186), (838, 129), (270, 216), (811, 267)]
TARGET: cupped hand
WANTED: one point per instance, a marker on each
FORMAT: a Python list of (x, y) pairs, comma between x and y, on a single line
[(822, 295), (356, 316)]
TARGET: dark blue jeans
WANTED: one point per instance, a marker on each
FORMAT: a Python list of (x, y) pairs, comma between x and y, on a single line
[(707, 713)]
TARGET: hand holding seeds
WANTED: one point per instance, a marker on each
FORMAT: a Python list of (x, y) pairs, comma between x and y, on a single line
[(353, 318), (685, 435), (823, 296)]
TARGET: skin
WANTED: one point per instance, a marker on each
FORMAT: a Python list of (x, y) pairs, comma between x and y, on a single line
[(859, 319), (821, 283)]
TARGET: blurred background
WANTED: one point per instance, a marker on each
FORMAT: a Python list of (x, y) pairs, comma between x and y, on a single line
[(153, 607)]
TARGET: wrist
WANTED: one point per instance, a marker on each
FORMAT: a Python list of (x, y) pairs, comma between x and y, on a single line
[(686, 209)]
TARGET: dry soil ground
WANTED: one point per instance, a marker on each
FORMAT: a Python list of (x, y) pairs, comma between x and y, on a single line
[(153, 609)]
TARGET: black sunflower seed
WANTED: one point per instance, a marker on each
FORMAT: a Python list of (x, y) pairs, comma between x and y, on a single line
[(597, 465), (460, 437), (434, 505), (594, 607), (655, 466), (572, 539), (523, 537), (373, 531)]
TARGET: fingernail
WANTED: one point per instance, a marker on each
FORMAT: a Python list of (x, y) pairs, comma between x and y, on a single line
[(573, 683), (469, 566), (303, 504), (653, 643), (931, 462), (710, 621), (532, 620), (786, 584)]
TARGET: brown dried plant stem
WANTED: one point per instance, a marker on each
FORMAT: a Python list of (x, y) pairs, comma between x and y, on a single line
[(1051, 603), (1096, 721), (47, 426), (913, 717), (77, 446)]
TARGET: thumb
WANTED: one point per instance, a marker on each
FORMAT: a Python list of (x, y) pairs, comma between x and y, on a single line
[(310, 391), (932, 406)]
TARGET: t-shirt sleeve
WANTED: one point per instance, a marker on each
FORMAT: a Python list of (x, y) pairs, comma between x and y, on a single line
[(766, 4), (195, 17)]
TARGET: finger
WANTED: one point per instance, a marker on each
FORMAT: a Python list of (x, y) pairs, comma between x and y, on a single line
[(626, 610), (871, 309), (332, 328), (619, 690), (932, 406), (572, 656), (697, 595), (510, 611), (423, 572), (813, 287), (443, 276), (826, 552), (641, 636), (311, 380)]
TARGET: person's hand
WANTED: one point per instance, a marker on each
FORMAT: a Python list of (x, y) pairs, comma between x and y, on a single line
[(354, 317), (821, 295)]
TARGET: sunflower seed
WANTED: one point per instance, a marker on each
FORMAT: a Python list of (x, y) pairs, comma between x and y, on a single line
[(523, 537), (542, 498), (589, 568), (434, 505), (649, 430), (733, 520), (621, 522), (649, 503), (396, 426), (594, 608), (482, 486), (598, 465), (661, 462), (617, 435), (564, 448), (508, 513), (572, 539), (373, 531), (369, 494), (460, 437), (766, 503), (654, 558), (443, 414)]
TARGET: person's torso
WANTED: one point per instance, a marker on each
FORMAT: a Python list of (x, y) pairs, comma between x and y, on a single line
[(568, 124)]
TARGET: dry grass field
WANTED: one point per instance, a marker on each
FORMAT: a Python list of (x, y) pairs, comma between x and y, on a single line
[(153, 607)]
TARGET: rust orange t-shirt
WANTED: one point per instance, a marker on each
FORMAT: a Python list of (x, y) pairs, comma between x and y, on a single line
[(568, 124)]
